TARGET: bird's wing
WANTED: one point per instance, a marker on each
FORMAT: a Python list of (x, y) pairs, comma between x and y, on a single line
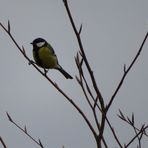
[(51, 49)]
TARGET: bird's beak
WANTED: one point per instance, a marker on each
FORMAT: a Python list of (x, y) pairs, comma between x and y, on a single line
[(31, 43)]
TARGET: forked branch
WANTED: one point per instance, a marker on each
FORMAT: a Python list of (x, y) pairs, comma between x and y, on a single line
[(126, 71), (22, 50), (24, 130)]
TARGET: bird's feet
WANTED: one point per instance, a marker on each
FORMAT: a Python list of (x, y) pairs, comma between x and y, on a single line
[(31, 62), (45, 71)]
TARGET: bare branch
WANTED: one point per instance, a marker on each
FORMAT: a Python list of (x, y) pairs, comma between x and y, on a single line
[(83, 55), (8, 26), (96, 102), (124, 68), (80, 29), (114, 133), (127, 71), (131, 141), (23, 49), (121, 116), (100, 98), (2, 142), (24, 130), (41, 143), (131, 121), (9, 118), (59, 89)]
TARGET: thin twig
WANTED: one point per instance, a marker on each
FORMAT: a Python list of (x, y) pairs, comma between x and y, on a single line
[(126, 71), (24, 131), (85, 94), (83, 54), (114, 134), (80, 80), (2, 142), (99, 138), (138, 132), (138, 137), (131, 141), (129, 121)]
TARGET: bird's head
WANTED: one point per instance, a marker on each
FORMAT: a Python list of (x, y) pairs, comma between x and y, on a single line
[(39, 42)]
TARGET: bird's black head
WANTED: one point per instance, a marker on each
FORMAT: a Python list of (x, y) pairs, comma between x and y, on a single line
[(38, 42)]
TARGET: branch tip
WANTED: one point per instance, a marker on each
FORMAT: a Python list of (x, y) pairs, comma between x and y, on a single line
[(124, 68), (133, 120), (8, 26), (40, 143), (23, 49), (78, 80), (81, 62), (25, 129), (65, 1), (130, 121), (81, 53), (9, 117), (77, 59), (56, 84), (120, 115), (80, 30)]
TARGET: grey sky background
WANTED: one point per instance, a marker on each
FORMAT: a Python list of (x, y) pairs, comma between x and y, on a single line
[(112, 33)]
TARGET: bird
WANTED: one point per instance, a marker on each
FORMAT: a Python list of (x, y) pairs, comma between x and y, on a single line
[(45, 57)]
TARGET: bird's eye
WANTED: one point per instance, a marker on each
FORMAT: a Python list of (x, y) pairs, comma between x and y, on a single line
[(40, 44)]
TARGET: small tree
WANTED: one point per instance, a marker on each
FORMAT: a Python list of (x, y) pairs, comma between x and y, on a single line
[(93, 95)]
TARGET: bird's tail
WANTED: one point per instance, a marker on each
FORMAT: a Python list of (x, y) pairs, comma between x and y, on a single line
[(67, 76)]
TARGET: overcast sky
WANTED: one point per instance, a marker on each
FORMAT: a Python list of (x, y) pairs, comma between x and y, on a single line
[(112, 33)]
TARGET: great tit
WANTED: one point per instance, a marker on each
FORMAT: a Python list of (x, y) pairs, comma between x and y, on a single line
[(45, 57)]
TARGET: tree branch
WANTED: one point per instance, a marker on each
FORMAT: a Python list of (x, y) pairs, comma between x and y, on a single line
[(83, 55), (54, 84), (131, 141), (126, 72), (24, 130), (2, 142)]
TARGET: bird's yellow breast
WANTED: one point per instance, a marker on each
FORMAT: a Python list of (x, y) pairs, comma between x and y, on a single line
[(47, 58)]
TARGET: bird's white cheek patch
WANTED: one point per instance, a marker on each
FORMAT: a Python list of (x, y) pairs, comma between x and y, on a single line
[(40, 44)]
